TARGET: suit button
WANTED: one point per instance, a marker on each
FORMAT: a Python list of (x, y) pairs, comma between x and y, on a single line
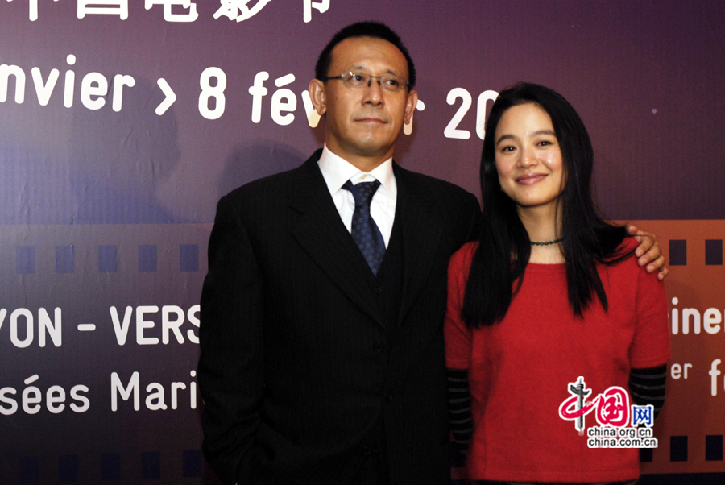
[(378, 291), (379, 347), (366, 450), (388, 396)]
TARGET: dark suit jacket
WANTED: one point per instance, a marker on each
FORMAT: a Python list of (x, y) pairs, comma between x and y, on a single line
[(297, 364)]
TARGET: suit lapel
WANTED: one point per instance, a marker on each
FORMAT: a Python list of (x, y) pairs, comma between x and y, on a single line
[(323, 236), (421, 235)]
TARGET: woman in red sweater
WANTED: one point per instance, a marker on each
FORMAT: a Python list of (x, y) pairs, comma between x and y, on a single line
[(550, 293)]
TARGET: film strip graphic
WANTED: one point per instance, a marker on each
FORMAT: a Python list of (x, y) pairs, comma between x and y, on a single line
[(678, 252), (127, 248), (186, 467), (85, 269), (691, 426)]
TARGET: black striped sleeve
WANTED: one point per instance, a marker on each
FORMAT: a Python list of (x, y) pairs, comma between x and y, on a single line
[(647, 386), (459, 408)]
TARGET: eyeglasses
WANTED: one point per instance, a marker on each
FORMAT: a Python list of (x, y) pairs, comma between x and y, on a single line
[(356, 80)]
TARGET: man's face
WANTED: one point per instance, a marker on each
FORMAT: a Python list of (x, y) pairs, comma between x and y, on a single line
[(363, 124)]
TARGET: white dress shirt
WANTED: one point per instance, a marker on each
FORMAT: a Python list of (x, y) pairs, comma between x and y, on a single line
[(336, 171)]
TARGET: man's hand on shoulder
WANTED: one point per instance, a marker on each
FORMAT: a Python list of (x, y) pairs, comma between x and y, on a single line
[(649, 252)]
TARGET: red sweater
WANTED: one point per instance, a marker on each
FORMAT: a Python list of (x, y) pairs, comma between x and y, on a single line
[(520, 369)]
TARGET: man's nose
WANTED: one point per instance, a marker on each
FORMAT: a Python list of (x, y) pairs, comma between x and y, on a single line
[(374, 91)]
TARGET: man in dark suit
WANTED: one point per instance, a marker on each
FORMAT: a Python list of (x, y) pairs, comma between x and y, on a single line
[(321, 336)]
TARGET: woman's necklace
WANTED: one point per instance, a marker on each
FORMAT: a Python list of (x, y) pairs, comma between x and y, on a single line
[(546, 243)]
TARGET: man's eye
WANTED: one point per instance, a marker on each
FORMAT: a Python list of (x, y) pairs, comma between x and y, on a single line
[(357, 78), (391, 81)]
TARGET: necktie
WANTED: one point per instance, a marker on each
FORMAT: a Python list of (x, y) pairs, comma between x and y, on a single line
[(364, 231)]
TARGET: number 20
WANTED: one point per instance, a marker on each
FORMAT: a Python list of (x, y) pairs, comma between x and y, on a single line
[(452, 130)]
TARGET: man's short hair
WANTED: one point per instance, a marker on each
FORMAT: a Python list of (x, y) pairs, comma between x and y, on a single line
[(363, 29)]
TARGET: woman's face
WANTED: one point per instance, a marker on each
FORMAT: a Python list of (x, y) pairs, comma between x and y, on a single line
[(528, 156)]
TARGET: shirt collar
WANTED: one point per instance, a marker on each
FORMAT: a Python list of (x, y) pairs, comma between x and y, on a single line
[(336, 171)]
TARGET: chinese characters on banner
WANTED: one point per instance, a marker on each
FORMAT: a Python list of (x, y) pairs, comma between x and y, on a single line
[(186, 11)]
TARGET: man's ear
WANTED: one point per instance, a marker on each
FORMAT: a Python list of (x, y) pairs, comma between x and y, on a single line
[(317, 95), (410, 103)]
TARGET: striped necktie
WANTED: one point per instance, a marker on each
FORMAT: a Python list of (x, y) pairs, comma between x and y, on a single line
[(364, 231)]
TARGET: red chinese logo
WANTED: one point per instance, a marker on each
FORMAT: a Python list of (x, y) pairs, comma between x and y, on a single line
[(612, 406)]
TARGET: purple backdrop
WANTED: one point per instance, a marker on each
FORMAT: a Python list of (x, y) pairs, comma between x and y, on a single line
[(105, 204)]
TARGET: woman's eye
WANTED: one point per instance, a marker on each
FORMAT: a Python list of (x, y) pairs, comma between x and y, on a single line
[(508, 149)]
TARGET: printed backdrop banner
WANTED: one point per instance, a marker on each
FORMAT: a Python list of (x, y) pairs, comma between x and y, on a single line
[(122, 122)]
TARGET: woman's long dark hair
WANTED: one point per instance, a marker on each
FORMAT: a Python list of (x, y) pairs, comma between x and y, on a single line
[(498, 265)]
